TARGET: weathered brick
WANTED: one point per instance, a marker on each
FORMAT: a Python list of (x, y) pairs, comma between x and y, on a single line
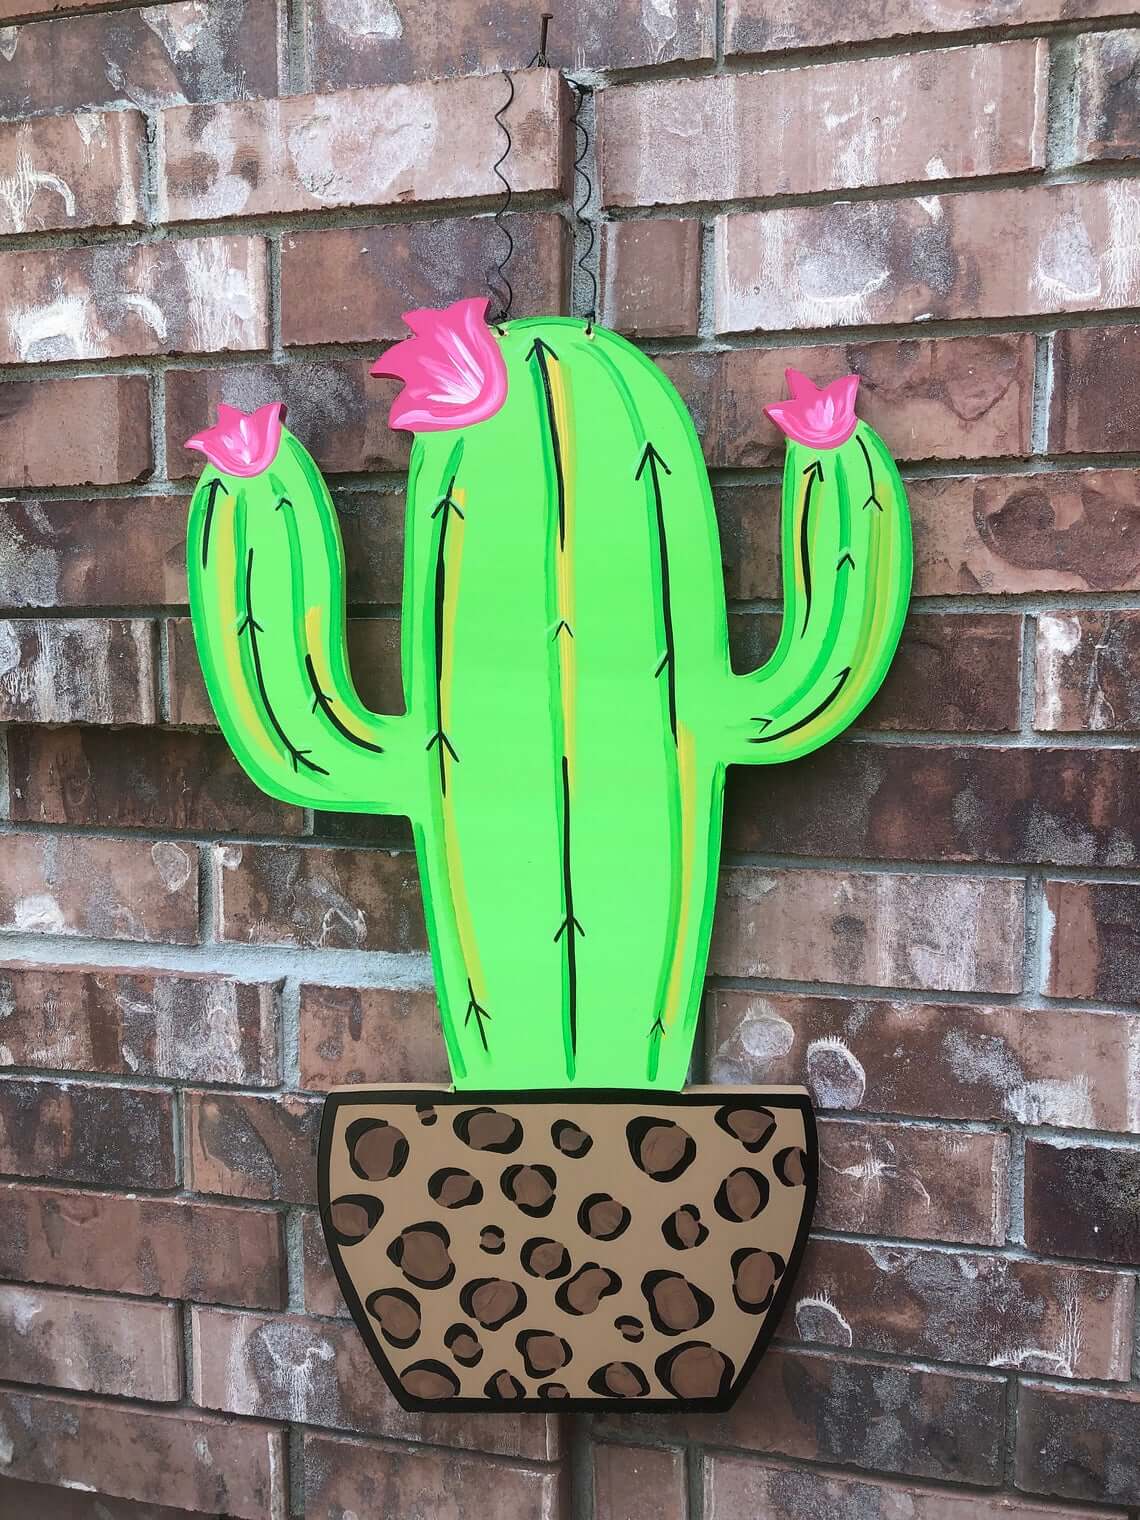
[(954, 933), (819, 1407), (252, 1147), (964, 1306), (639, 1483), (369, 1034), (1088, 672), (361, 1478), (159, 1246), (862, 262), (91, 1343), (1083, 1200), (99, 888), (319, 1372), (74, 553), (182, 1026), (1106, 103), (322, 1291), (393, 145), (45, 1501), (148, 57), (1092, 940), (650, 277), (1050, 806), (71, 171), (87, 1132), (930, 398), (77, 670), (190, 296), (1078, 1445), (74, 432), (836, 126), (934, 1060), (180, 1458), (369, 276), (331, 899), (1095, 402), (149, 778)]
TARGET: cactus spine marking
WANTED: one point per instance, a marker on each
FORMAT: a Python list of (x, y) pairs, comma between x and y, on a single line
[(570, 705)]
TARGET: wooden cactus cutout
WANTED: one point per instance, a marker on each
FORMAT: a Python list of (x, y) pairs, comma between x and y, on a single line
[(570, 706)]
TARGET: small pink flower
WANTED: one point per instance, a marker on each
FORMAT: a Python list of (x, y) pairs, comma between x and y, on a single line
[(822, 419), (240, 443), (452, 369)]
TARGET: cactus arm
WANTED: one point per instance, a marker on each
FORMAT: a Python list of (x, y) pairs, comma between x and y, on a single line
[(266, 577)]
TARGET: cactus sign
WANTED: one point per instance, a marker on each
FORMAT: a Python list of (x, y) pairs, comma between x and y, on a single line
[(570, 711)]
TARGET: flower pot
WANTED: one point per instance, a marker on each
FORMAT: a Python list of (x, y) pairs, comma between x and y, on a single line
[(566, 1249)]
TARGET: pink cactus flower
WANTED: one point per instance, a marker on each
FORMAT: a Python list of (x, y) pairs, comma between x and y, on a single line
[(452, 369), (822, 419), (242, 443)]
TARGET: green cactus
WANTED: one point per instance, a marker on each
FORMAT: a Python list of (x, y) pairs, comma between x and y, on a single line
[(570, 705)]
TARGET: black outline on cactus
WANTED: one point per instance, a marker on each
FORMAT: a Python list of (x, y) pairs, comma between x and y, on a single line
[(652, 458), (569, 924), (250, 625), (213, 487), (872, 499)]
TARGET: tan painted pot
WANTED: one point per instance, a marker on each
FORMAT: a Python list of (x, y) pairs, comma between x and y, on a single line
[(566, 1249)]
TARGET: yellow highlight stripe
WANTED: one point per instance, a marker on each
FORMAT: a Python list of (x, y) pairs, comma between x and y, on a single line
[(317, 650), (564, 570), (687, 781), (237, 698)]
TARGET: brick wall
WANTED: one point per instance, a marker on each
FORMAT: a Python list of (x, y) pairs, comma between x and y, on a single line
[(935, 923)]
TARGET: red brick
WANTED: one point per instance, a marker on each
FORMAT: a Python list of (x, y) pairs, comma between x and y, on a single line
[(90, 1343), (181, 1026), (1092, 940), (74, 432), (650, 276), (1078, 1445), (1088, 672), (1095, 401), (177, 1457), (878, 121), (933, 1060), (36, 10), (252, 1147), (925, 1422), (99, 888), (42, 1501), (964, 1306), (87, 1132), (361, 1478), (370, 1035), (319, 1372), (954, 933), (205, 1251), (393, 145), (369, 276), (639, 1483), (330, 899), (72, 171), (73, 553), (1107, 98), (1083, 1200), (930, 398), (322, 1291), (191, 296), (77, 670), (911, 1183), (858, 263)]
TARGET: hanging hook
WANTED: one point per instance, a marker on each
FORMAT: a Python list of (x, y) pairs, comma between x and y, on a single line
[(540, 57)]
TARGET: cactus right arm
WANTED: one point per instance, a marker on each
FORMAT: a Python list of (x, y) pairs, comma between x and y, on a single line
[(266, 574)]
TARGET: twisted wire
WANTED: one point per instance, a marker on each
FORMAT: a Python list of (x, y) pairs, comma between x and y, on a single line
[(499, 281), (582, 174)]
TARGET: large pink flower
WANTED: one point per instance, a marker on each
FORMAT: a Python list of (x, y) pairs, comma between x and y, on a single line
[(823, 419), (452, 369), (242, 443)]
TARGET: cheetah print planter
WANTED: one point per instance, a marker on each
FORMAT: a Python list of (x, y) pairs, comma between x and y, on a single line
[(561, 1250)]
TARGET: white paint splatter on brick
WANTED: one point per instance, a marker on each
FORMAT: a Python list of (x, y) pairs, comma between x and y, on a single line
[(332, 149), (9, 39), (19, 189), (59, 329), (172, 863), (365, 18), (39, 913), (178, 27), (1058, 637), (817, 1319), (835, 1074)]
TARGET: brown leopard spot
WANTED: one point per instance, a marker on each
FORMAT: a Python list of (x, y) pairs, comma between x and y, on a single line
[(569, 1139), (675, 1304), (754, 1278), (790, 1166), (463, 1344), (660, 1148), (502, 1386), (531, 1188), (421, 1253), (353, 1216), (751, 1126), (683, 1229), (553, 1391), (427, 1114), (492, 1240), (453, 1188), (398, 1315), (492, 1301), (485, 1129), (629, 1327), (742, 1195), (582, 1293), (430, 1380), (620, 1380), (376, 1150), (542, 1351), (603, 1217), (545, 1258), (695, 1371)]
